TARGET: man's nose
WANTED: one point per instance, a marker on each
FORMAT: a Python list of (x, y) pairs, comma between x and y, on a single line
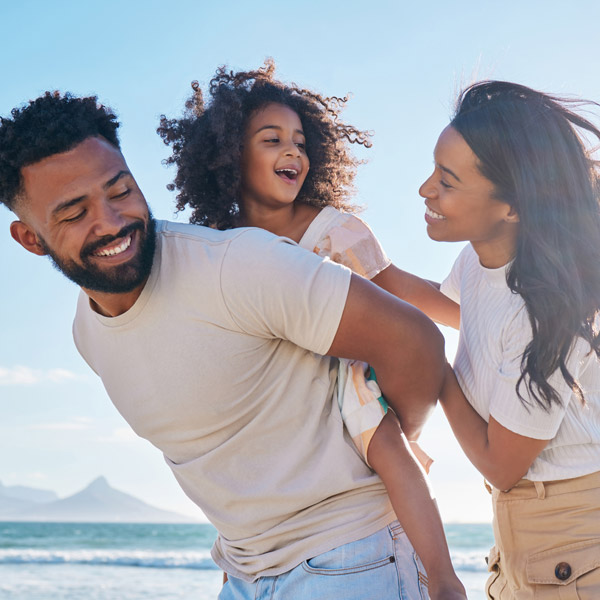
[(108, 218)]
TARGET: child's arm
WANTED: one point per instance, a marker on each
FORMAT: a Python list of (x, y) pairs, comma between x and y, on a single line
[(412, 500), (500, 455), (423, 294)]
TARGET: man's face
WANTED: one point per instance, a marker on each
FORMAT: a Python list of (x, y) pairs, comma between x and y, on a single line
[(84, 209)]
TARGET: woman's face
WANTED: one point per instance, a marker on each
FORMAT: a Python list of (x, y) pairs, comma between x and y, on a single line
[(460, 203)]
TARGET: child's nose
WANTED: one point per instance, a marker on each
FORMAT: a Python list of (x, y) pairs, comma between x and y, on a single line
[(291, 149)]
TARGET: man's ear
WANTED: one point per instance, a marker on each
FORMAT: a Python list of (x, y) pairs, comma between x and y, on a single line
[(22, 233)]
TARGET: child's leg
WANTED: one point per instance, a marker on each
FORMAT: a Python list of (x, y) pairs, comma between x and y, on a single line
[(406, 483), (377, 435)]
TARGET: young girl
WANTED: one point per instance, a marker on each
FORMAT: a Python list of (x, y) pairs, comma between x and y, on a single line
[(513, 177), (269, 155)]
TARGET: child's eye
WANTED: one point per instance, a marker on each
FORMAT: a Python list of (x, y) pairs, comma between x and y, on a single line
[(272, 140), (301, 145)]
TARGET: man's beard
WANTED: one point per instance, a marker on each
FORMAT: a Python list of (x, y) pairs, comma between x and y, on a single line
[(119, 279)]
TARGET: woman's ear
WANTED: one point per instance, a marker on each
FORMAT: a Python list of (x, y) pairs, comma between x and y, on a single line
[(511, 216), (24, 235)]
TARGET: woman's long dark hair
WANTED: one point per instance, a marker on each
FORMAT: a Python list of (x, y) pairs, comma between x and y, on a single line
[(530, 146)]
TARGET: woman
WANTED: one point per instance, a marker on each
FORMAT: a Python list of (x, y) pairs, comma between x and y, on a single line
[(513, 177)]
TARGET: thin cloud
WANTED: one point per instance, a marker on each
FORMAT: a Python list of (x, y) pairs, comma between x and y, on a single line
[(20, 375), (121, 435), (75, 425)]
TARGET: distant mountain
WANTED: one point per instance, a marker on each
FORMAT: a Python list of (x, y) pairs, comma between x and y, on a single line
[(28, 494), (98, 502)]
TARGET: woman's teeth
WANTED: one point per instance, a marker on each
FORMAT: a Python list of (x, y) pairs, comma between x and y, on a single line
[(433, 214)]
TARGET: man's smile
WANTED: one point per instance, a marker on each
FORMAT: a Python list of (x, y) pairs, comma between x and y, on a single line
[(114, 249)]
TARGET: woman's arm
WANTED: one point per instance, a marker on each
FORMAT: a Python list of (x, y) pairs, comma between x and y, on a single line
[(501, 456), (423, 294)]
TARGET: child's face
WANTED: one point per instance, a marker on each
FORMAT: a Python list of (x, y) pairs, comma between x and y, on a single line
[(460, 202), (274, 161)]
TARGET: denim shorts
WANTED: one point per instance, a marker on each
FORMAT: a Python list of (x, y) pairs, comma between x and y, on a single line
[(383, 566)]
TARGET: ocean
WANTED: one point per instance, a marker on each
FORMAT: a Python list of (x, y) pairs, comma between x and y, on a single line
[(98, 561)]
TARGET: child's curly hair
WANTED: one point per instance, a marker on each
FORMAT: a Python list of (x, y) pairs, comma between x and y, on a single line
[(207, 144)]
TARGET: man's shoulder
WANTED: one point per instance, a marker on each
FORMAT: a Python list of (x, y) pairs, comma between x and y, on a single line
[(187, 232)]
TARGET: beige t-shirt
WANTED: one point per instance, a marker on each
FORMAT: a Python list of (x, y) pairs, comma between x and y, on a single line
[(218, 365)]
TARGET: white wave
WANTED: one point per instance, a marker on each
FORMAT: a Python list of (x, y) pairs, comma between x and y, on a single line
[(463, 561), (126, 558), (469, 561)]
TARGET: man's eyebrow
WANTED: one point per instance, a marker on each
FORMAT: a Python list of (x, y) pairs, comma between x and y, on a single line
[(116, 178), (276, 127), (68, 203), (450, 172)]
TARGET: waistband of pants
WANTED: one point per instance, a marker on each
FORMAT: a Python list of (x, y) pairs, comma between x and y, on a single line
[(526, 489)]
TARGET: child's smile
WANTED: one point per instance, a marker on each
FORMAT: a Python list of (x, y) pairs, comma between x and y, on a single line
[(274, 160), (288, 173)]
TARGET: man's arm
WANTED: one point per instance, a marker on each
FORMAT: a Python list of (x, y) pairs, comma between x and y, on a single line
[(403, 346)]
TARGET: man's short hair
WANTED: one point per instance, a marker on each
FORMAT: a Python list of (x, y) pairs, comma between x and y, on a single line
[(51, 124)]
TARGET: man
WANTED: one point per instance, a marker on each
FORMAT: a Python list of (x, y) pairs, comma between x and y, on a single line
[(213, 346)]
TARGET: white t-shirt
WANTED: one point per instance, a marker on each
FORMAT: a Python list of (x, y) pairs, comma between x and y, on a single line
[(218, 365), (494, 332)]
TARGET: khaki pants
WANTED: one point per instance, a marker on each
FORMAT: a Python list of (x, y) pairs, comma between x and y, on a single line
[(547, 541)]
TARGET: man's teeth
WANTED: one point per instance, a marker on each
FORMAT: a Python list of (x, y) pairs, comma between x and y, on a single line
[(434, 215), (115, 249)]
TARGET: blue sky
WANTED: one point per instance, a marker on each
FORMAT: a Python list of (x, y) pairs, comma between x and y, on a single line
[(403, 63)]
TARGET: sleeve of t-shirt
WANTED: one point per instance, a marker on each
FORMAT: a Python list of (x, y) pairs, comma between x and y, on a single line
[(451, 285), (530, 420), (272, 288), (352, 243)]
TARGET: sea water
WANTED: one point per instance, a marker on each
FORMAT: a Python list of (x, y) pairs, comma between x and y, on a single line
[(97, 561)]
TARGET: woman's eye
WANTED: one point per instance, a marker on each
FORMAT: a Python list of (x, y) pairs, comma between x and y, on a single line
[(444, 184)]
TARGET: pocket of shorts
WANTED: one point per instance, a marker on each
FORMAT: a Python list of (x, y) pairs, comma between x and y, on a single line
[(355, 557), (495, 583), (314, 566), (396, 531), (563, 566)]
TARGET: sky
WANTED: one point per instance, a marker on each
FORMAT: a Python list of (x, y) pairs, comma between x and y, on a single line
[(402, 63)]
